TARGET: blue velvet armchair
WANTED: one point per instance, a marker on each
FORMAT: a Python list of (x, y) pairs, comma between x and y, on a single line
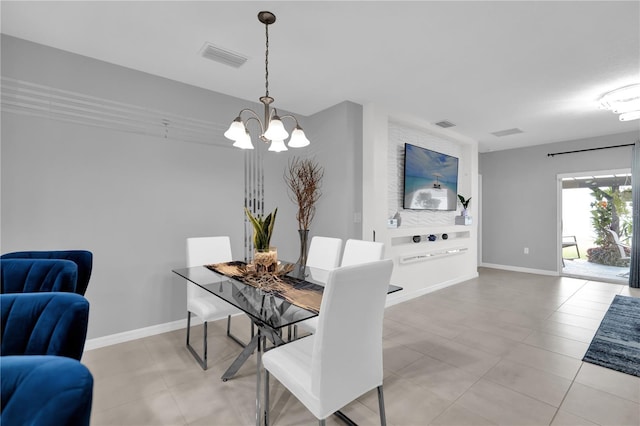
[(37, 275), (43, 324), (82, 258), (43, 382), (45, 391)]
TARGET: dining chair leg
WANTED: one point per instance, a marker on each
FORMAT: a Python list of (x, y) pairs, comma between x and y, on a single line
[(234, 338), (266, 398), (188, 326), (383, 417), (202, 362), (204, 349)]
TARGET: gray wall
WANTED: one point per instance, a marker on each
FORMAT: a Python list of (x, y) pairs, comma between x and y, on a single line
[(519, 196), (336, 135), (133, 198)]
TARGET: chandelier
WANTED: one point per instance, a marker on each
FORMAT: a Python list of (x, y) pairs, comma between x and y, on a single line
[(624, 101), (271, 129)]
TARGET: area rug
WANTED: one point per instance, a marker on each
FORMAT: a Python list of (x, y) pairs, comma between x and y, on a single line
[(616, 344)]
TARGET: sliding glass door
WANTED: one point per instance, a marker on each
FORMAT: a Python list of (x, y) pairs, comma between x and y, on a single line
[(596, 218)]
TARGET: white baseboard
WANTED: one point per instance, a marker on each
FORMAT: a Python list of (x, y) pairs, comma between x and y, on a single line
[(519, 269), (127, 336), (402, 296), (113, 339)]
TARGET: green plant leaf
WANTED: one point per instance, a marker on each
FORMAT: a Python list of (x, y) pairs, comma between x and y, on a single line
[(262, 229)]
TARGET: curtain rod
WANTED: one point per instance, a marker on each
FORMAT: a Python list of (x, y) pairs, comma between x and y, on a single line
[(589, 149)]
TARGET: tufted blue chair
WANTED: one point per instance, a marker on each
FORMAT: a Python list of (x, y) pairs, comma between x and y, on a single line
[(43, 382), (43, 324), (37, 275), (45, 391), (82, 258)]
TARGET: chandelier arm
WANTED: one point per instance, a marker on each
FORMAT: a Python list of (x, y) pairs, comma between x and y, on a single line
[(259, 123), (291, 116), (253, 117)]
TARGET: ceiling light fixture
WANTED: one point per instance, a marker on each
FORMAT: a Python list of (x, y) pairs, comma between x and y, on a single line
[(271, 130), (624, 101)]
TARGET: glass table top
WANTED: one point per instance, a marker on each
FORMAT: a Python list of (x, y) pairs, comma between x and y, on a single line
[(264, 307)]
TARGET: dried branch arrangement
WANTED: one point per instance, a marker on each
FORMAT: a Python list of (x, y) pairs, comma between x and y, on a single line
[(303, 177)]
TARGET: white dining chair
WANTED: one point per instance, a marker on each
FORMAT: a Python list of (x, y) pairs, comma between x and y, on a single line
[(203, 251), (343, 360), (355, 252), (324, 254), (360, 251)]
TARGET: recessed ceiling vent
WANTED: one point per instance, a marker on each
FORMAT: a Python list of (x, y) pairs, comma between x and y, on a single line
[(507, 132), (445, 124), (224, 56)]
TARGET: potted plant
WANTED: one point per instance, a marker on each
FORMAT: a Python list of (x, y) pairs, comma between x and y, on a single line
[(303, 178), (265, 257), (465, 204)]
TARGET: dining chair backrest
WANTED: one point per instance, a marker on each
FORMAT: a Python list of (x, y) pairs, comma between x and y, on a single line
[(360, 251), (347, 351), (82, 258), (37, 275), (204, 251), (324, 252), (50, 323)]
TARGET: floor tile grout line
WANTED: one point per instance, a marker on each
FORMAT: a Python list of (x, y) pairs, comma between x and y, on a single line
[(567, 393), (572, 295)]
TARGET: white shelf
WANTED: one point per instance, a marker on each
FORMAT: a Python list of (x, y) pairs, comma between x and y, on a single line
[(404, 237), (420, 257), (393, 232)]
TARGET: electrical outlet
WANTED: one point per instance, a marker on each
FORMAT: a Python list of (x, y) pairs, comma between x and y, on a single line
[(526, 250)]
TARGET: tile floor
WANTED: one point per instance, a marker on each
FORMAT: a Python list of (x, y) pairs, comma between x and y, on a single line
[(502, 349)]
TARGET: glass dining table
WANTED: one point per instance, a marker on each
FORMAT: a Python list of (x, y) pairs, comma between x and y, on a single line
[(270, 309)]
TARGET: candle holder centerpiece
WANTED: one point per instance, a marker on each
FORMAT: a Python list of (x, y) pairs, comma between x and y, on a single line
[(265, 257)]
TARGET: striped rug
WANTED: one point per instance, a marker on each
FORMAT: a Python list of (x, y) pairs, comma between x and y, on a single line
[(616, 344)]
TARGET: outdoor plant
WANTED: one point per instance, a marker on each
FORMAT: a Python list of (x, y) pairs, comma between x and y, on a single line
[(609, 211), (601, 219), (262, 229)]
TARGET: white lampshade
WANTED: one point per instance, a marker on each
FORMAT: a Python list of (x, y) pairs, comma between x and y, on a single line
[(632, 105), (298, 138), (236, 130), (244, 141), (624, 101), (277, 146), (276, 131), (628, 116)]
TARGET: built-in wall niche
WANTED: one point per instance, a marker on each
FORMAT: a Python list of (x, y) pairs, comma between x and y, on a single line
[(433, 237), (399, 134)]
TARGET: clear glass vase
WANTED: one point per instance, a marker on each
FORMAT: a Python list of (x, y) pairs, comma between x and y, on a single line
[(304, 246), (266, 260)]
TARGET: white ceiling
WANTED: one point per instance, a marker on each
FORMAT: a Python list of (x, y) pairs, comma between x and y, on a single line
[(485, 66)]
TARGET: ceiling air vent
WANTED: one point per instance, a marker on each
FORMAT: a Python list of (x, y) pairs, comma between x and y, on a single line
[(445, 124), (223, 56), (507, 132)]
